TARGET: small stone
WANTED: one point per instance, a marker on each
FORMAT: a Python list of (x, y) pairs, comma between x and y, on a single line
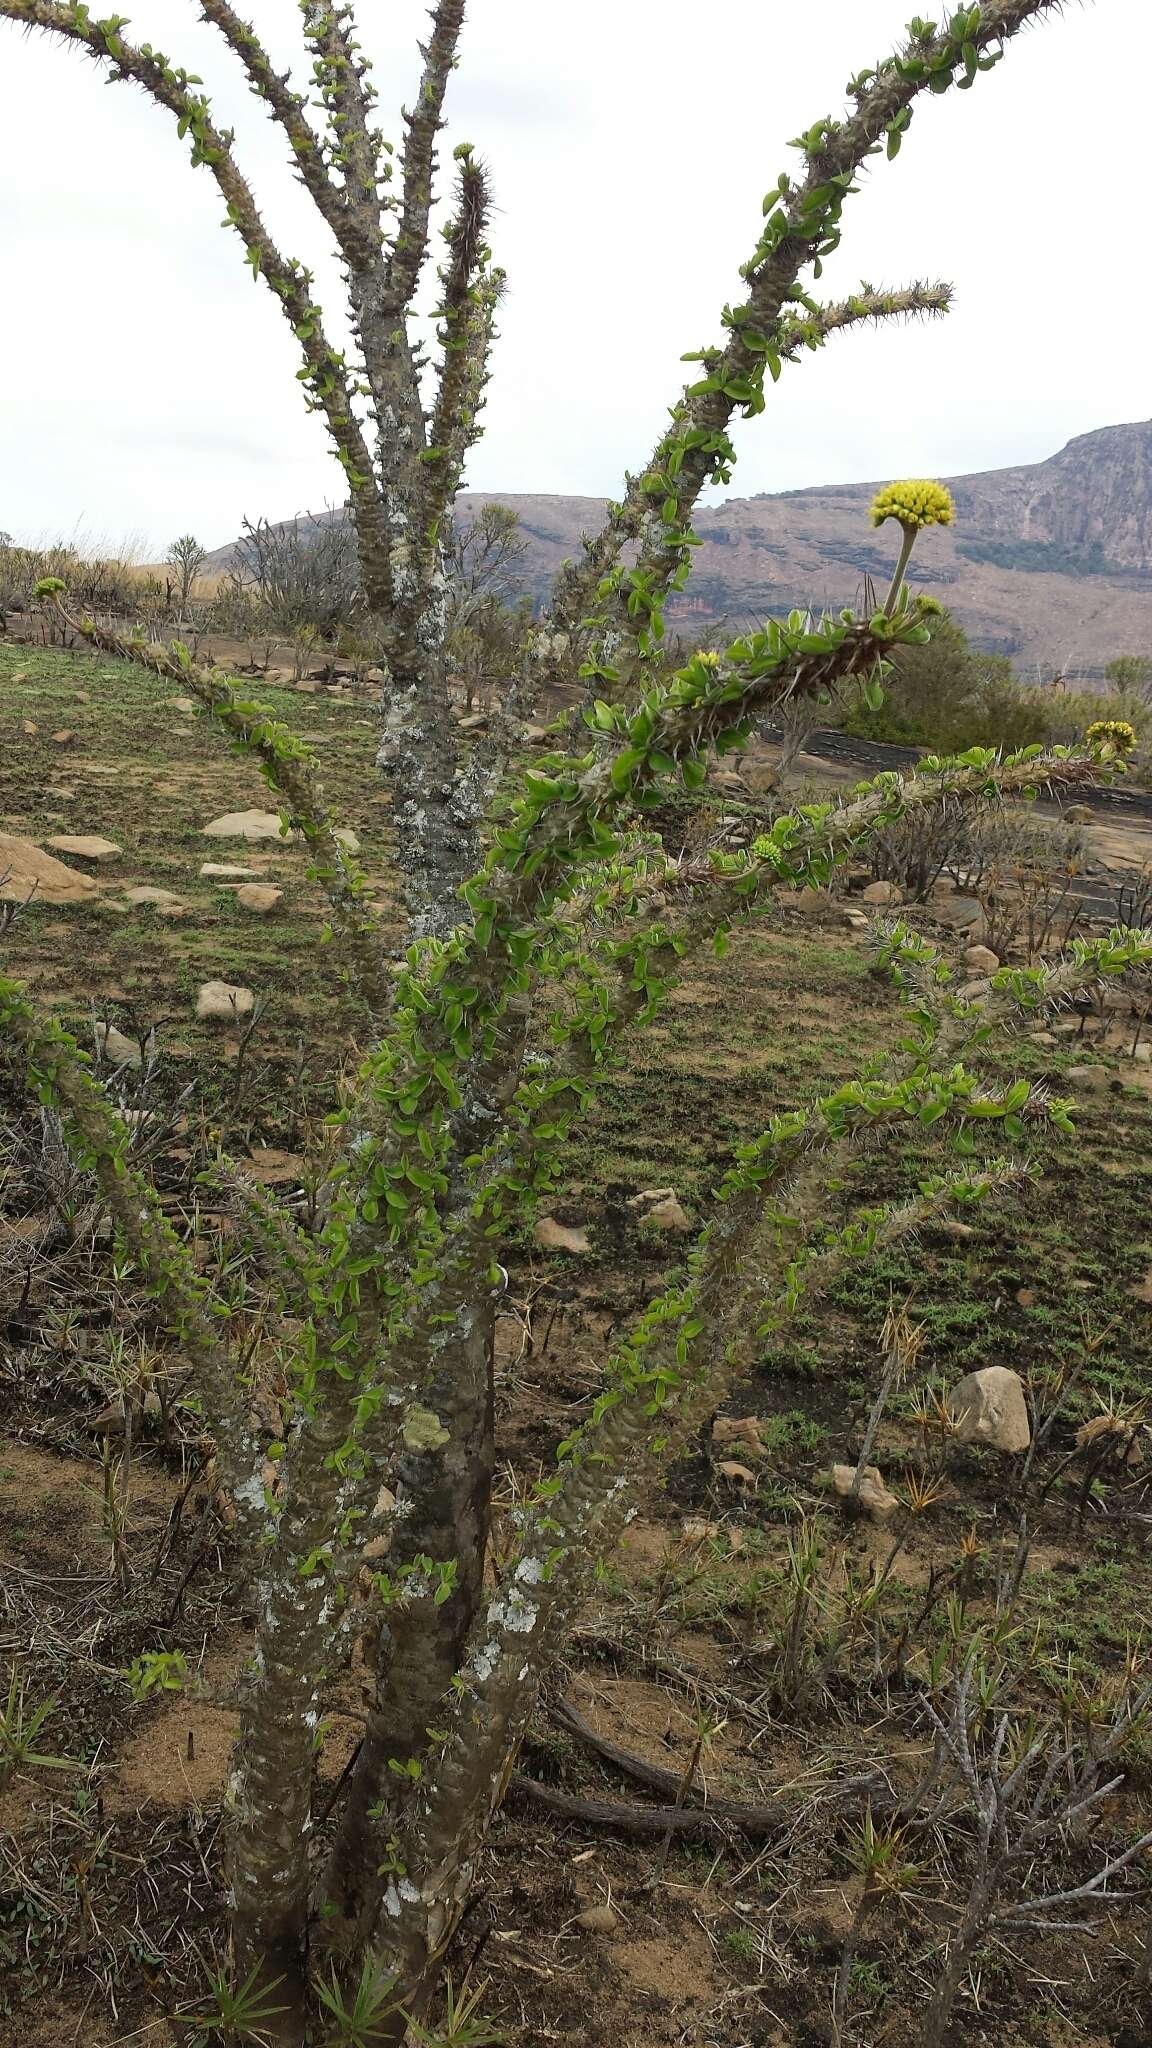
[(989, 1408), (259, 898), (111, 1421), (308, 688), (695, 1530), (882, 892), (553, 1236), (65, 737), (219, 871), (598, 1920), (273, 1168), (1041, 1038), (873, 1497), (668, 1214), (85, 846), (538, 736), (162, 901), (958, 912), (476, 721), (254, 825), (727, 779), (738, 1474), (1142, 1053), (30, 729), (222, 1002), (186, 705), (813, 903), (153, 1406), (962, 1233), (1026, 1297), (346, 839), (1079, 814), (116, 1047), (1089, 1080), (981, 960), (729, 1431)]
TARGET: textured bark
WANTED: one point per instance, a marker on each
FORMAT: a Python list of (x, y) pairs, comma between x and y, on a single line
[(443, 1512), (272, 1775)]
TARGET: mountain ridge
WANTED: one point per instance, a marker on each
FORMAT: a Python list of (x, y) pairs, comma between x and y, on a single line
[(1049, 562)]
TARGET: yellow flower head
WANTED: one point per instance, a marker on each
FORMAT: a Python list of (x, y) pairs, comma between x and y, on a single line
[(915, 502), (1111, 736)]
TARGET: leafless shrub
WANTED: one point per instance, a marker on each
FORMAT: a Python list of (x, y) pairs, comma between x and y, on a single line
[(303, 572)]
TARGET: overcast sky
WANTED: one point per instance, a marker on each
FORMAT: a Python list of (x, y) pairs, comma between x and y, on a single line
[(147, 384)]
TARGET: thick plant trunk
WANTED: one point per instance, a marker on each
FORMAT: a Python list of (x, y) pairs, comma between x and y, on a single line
[(272, 1775), (443, 1511)]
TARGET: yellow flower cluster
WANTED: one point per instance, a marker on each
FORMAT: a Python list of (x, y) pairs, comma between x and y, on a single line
[(1111, 735), (915, 502)]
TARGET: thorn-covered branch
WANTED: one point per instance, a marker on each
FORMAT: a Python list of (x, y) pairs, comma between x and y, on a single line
[(419, 158), (470, 294)]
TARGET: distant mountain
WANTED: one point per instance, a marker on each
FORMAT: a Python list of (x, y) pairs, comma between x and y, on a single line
[(1050, 562)]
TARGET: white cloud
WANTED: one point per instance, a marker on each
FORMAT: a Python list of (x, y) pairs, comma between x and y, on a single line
[(147, 386)]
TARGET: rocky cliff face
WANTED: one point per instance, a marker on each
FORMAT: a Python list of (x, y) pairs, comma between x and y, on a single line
[(1095, 495), (1050, 562)]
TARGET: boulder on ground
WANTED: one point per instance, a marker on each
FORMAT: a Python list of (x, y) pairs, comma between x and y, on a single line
[(882, 892), (873, 1497), (1089, 1080), (162, 901), (810, 902), (553, 1236), (988, 1407), (85, 846), (27, 871), (116, 1047), (221, 1002), (668, 1214), (258, 897), (254, 825), (738, 1432), (981, 960)]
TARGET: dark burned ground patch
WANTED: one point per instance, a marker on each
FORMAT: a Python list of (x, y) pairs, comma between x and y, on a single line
[(110, 1873)]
